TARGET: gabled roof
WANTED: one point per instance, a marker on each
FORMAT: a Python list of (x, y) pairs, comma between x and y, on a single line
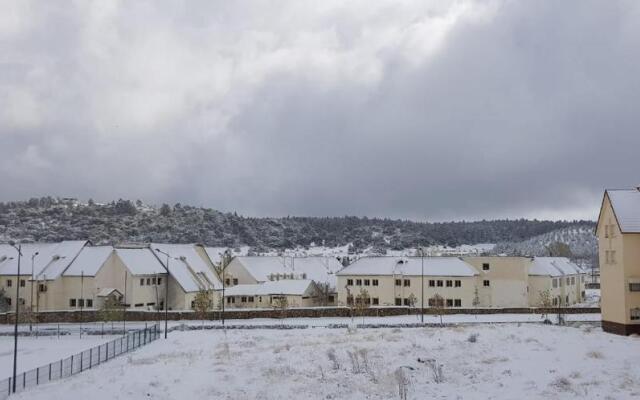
[(50, 263), (433, 266), (89, 261), (104, 292), (262, 267), (296, 287), (187, 267), (553, 266), (141, 261), (318, 269), (626, 208)]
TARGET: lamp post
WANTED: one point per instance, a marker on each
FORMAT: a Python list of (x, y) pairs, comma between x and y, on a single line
[(421, 285), (224, 263), (33, 256), (166, 294), (15, 325)]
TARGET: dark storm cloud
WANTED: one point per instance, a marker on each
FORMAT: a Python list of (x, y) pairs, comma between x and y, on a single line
[(467, 110)]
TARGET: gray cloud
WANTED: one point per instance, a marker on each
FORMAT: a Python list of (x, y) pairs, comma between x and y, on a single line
[(417, 110)]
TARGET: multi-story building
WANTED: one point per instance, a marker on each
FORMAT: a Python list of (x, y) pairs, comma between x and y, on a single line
[(618, 233)]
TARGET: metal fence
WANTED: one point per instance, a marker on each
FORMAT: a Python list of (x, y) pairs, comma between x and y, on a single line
[(79, 362)]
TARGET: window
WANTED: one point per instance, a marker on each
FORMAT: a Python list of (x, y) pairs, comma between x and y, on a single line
[(330, 298), (141, 281), (398, 282), (439, 283), (22, 283), (555, 301), (366, 282), (567, 300), (159, 281), (449, 283), (228, 300), (573, 280), (407, 283), (398, 301), (9, 283), (634, 287), (635, 314), (374, 282), (227, 281), (568, 281), (458, 283), (250, 299), (485, 266), (406, 302), (72, 302), (457, 303), (81, 302), (432, 283), (358, 282), (349, 282), (42, 288), (449, 302), (606, 256), (8, 300), (260, 299), (486, 283), (21, 301), (148, 281), (90, 303), (243, 299), (555, 283), (582, 279), (375, 301), (612, 256), (235, 281)]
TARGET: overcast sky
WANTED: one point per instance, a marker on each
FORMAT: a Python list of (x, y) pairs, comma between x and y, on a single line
[(410, 109)]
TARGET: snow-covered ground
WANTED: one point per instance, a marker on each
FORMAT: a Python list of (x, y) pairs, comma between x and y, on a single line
[(506, 361)]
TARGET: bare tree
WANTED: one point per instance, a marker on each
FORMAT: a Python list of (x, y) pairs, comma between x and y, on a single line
[(202, 303), (110, 310), (362, 302), (437, 304), (281, 303), (323, 293)]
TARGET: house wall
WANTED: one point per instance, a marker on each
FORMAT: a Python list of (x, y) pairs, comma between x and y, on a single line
[(25, 292), (507, 278), (387, 292), (614, 302), (236, 269)]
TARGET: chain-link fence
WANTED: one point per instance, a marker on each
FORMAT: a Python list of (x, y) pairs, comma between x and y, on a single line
[(79, 362)]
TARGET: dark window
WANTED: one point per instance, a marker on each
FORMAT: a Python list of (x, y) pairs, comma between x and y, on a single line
[(330, 299), (457, 303), (243, 299), (148, 281), (235, 281), (485, 266), (42, 287), (358, 282), (90, 303), (439, 283), (449, 283), (449, 302), (227, 281), (260, 299), (407, 283), (486, 283), (151, 304), (374, 282), (21, 301), (153, 280), (398, 282), (458, 283), (22, 283), (366, 282), (81, 302), (432, 283), (398, 301), (228, 300), (250, 299), (634, 287), (375, 301), (141, 281), (567, 300), (9, 283), (349, 282), (8, 300), (72, 302), (159, 281), (406, 302)]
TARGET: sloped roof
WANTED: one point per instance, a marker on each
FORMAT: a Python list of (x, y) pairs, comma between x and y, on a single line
[(288, 286), (318, 269), (188, 268), (553, 266), (52, 260), (141, 261), (261, 267), (433, 266), (104, 292), (626, 207), (89, 261), (214, 253)]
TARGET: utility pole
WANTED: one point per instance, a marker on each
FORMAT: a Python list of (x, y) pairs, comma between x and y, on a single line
[(15, 325), (81, 300), (422, 285), (33, 256), (166, 294), (224, 263)]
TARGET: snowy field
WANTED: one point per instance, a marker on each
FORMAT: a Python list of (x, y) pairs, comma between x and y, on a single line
[(505, 361)]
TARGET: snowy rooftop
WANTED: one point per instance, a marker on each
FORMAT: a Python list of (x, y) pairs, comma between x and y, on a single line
[(141, 261), (319, 269), (89, 261), (626, 206), (553, 266), (287, 286), (261, 267), (187, 266), (433, 266), (52, 260)]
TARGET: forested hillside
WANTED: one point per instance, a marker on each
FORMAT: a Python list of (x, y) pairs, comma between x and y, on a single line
[(51, 219)]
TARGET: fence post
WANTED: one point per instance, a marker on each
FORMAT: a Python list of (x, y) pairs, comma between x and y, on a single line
[(127, 343), (81, 360), (37, 376), (71, 373), (49, 371), (24, 380), (107, 358), (61, 365), (90, 357), (58, 331)]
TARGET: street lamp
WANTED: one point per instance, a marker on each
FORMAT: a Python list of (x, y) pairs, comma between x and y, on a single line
[(15, 325), (33, 256), (422, 285), (166, 293), (224, 263)]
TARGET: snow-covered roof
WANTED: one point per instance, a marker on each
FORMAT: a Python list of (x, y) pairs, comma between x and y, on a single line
[(287, 286), (318, 269), (262, 267), (89, 261), (104, 292), (553, 266), (51, 261), (214, 253), (188, 268), (141, 261), (433, 266), (269, 268), (626, 207)]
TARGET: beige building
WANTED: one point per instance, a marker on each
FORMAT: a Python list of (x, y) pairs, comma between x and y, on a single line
[(297, 292), (618, 233), (398, 281), (555, 281), (501, 281)]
